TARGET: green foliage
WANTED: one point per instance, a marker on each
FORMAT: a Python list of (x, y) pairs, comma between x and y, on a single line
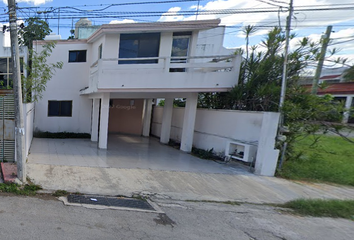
[(322, 208), (349, 74), (178, 102), (59, 193), (320, 158), (35, 29), (204, 154), (60, 135), (39, 73), (259, 87), (28, 189)]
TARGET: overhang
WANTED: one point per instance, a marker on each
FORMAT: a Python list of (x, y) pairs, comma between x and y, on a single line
[(154, 27)]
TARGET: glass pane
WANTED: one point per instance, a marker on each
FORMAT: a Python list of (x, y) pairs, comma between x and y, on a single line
[(3, 81), (81, 56), (65, 108), (180, 47), (72, 56), (21, 64), (128, 49), (139, 45), (3, 65), (53, 108), (10, 65)]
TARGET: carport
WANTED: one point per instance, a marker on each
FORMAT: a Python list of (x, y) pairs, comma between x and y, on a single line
[(124, 152)]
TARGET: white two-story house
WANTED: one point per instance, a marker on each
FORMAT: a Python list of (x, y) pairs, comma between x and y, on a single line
[(109, 81)]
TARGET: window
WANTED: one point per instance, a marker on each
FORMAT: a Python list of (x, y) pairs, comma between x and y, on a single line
[(60, 108), (180, 48), (100, 52), (139, 46), (6, 72), (77, 56)]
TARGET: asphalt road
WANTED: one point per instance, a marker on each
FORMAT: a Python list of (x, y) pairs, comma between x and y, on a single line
[(33, 218)]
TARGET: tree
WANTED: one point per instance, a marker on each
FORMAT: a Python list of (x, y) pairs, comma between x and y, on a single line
[(259, 87), (349, 74), (39, 72)]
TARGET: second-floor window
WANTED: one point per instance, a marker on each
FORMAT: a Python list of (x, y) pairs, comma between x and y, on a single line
[(77, 56), (142, 45)]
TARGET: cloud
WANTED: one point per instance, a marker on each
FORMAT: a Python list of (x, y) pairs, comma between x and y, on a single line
[(122, 21), (301, 19), (166, 18), (35, 2)]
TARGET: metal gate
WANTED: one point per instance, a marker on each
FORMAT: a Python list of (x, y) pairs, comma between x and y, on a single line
[(7, 128)]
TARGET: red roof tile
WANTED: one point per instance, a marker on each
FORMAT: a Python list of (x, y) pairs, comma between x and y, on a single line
[(336, 88), (330, 77)]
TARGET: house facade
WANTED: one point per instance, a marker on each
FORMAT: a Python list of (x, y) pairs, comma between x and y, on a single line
[(110, 80), (7, 107)]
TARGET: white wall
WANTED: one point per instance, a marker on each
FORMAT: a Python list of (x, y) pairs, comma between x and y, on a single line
[(28, 115), (215, 128), (65, 85)]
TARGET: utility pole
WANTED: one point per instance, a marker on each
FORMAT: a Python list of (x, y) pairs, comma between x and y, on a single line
[(16, 76), (285, 64), (325, 41)]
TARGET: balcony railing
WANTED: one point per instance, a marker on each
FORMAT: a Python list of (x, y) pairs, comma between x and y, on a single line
[(200, 71), (204, 63)]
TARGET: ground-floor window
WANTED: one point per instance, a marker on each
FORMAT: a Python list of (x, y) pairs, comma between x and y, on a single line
[(60, 108)]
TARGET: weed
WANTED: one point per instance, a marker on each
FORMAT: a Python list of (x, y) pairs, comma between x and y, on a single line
[(204, 154), (27, 189), (322, 208), (233, 203), (59, 193)]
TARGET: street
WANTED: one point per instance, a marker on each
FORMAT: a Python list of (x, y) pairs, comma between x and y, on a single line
[(47, 218)]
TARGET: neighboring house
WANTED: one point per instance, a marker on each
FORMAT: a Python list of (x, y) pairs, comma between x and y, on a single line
[(344, 92), (7, 107), (328, 75), (110, 80)]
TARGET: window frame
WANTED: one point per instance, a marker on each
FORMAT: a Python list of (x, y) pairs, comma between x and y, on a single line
[(60, 101), (100, 51), (139, 37), (77, 51), (9, 72)]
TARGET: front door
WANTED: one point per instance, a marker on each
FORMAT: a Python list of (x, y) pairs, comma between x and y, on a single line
[(7, 128)]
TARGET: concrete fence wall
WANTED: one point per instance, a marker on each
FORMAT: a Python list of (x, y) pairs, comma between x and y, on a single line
[(215, 128), (28, 115)]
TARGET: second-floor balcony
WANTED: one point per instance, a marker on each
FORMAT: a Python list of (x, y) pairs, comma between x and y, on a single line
[(164, 74)]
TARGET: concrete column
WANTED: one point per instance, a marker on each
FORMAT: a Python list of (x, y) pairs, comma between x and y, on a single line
[(103, 135), (147, 117), (94, 120), (188, 122), (267, 155), (166, 121), (348, 104)]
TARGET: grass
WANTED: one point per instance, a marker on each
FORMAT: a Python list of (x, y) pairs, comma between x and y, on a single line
[(59, 193), (322, 208), (27, 190), (329, 160)]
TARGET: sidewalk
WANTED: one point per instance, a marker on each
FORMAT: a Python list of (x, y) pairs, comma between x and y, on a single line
[(180, 185)]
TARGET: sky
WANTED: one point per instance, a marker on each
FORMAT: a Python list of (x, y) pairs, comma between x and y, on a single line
[(305, 23)]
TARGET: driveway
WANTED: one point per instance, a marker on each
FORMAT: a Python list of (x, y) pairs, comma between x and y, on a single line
[(134, 165)]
